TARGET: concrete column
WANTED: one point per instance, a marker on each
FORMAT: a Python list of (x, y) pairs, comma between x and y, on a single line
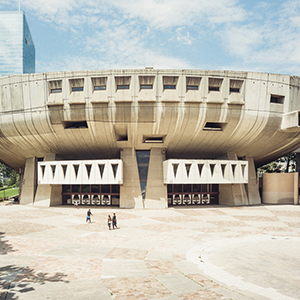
[(253, 184), (28, 184), (130, 190), (233, 194), (46, 194), (156, 190), (296, 188)]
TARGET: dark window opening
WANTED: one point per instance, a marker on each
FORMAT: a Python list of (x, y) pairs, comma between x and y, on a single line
[(146, 86), (98, 195), (169, 87), (234, 90), (277, 99), (123, 87), (298, 119), (75, 125), (192, 194), (77, 88), (99, 87), (214, 88), (121, 138), (53, 91), (214, 126), (192, 87)]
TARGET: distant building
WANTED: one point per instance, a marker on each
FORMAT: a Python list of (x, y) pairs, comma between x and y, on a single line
[(17, 51)]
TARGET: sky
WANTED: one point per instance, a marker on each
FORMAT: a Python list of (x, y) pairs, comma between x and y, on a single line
[(246, 35)]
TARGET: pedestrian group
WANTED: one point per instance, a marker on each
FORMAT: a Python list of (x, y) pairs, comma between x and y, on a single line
[(111, 221)]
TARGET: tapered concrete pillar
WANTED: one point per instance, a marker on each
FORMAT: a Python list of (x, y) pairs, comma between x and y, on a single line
[(253, 185), (28, 184), (233, 194), (46, 194), (130, 190), (156, 191)]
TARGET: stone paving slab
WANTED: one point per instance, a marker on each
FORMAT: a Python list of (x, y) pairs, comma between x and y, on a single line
[(178, 284), (209, 252)]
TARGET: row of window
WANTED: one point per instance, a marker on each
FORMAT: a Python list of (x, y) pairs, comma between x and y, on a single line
[(146, 87), (169, 83)]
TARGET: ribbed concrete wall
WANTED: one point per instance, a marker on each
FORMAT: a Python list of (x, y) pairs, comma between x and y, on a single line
[(248, 110)]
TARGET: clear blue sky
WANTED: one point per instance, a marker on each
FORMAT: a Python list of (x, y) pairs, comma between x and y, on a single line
[(246, 35)]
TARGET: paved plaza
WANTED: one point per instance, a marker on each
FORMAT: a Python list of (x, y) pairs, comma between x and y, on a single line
[(169, 254)]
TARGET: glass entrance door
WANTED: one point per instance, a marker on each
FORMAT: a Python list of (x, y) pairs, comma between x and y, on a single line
[(193, 194)]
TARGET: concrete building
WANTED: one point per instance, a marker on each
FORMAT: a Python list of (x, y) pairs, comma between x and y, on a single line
[(17, 51), (145, 138)]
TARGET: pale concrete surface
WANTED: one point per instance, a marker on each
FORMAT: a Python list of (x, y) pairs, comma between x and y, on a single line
[(170, 254)]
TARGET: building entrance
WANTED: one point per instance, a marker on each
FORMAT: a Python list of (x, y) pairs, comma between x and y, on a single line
[(97, 194), (193, 194)]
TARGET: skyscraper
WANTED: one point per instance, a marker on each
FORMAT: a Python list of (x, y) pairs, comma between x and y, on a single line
[(17, 51)]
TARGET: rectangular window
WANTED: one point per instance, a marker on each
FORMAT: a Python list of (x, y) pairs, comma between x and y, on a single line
[(123, 87), (146, 86), (105, 189), (169, 87), (192, 87), (214, 84), (100, 88), (153, 139), (53, 91), (95, 189), (214, 88), (235, 85), (234, 90), (214, 126), (75, 125), (77, 89), (277, 99)]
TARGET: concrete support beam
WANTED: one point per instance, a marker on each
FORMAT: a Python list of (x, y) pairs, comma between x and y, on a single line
[(233, 194), (28, 184), (130, 191), (46, 194), (156, 190), (253, 185)]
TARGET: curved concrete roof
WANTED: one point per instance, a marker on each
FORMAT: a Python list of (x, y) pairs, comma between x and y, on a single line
[(191, 113)]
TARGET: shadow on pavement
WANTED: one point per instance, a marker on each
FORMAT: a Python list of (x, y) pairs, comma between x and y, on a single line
[(15, 280), (5, 247)]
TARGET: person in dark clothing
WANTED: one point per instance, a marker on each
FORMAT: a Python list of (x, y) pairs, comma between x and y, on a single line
[(114, 221), (109, 221), (88, 216)]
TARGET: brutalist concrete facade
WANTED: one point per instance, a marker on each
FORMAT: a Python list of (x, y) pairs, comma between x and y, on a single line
[(195, 115)]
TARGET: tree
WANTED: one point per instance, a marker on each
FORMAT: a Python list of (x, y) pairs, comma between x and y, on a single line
[(284, 164), (10, 173)]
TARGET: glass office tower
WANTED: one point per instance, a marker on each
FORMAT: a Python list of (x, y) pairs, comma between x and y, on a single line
[(17, 51)]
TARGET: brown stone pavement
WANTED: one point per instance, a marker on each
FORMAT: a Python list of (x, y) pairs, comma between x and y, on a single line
[(171, 254)]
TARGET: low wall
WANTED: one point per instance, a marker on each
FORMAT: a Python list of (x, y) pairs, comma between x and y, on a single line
[(280, 188)]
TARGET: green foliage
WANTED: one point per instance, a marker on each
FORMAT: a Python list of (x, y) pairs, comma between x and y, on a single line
[(10, 192), (14, 178), (7, 171), (284, 164)]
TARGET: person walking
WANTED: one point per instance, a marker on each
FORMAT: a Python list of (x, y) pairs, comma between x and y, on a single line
[(114, 221), (109, 222), (88, 216)]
